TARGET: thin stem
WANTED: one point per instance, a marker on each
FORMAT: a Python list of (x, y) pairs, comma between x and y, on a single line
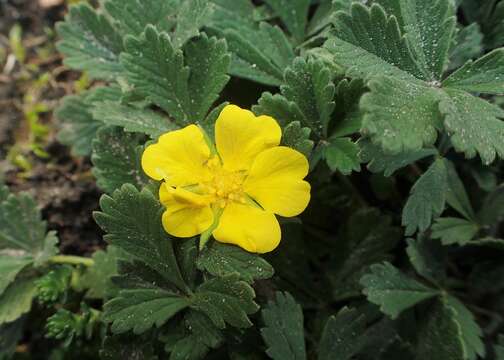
[(72, 260)]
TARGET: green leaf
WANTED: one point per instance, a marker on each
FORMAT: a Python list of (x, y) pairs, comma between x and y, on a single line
[(53, 285), (221, 260), (427, 198), (428, 258), (475, 125), (23, 233), (294, 15), (278, 107), (194, 339), (157, 71), (368, 239), (192, 15), (133, 119), (469, 44), (208, 60), (347, 113), (226, 300), (342, 155), (393, 291), (471, 332), (117, 159), (284, 331), (145, 300), (368, 43), (485, 75), (380, 161), (499, 348), (17, 299), (259, 52), (454, 230), (457, 196), (298, 138), (401, 116), (429, 26), (309, 85), (132, 16), (132, 221), (78, 127), (342, 335), (97, 278), (492, 210), (440, 335), (90, 42), (11, 264), (140, 309)]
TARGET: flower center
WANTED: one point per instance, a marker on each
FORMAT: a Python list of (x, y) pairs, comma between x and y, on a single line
[(224, 186)]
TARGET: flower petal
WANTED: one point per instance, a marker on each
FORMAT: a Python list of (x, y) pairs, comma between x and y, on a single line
[(240, 136), (249, 227), (187, 214), (275, 181), (178, 157)]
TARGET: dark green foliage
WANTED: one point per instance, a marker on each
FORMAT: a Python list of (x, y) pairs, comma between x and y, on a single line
[(397, 105)]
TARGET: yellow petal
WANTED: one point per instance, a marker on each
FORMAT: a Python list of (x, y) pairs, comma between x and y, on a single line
[(178, 157), (240, 136), (275, 181), (249, 227), (187, 214)]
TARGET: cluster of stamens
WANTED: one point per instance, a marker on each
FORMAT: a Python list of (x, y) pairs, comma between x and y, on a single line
[(224, 186)]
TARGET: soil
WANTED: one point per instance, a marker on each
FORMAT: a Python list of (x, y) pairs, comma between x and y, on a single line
[(62, 185)]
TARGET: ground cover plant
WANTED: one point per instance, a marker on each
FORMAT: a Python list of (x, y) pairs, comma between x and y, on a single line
[(278, 179)]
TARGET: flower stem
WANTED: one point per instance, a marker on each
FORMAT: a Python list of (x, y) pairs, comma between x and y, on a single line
[(72, 260)]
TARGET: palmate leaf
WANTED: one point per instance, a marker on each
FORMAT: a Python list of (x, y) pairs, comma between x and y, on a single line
[(11, 264), (393, 291), (192, 15), (454, 230), (429, 27), (222, 259), (469, 44), (23, 234), (441, 335), (152, 289), (401, 116), (342, 335), (185, 90), (284, 330), (97, 278), (132, 221), (133, 119), (298, 138), (457, 196), (78, 126), (379, 161), (475, 125), (226, 300), (294, 15), (193, 339), (260, 52), (367, 43), (117, 159), (471, 332), (427, 199), (484, 75), (132, 16), (307, 95), (342, 154), (90, 42)]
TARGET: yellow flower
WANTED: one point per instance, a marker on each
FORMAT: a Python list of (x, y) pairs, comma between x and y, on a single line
[(231, 190)]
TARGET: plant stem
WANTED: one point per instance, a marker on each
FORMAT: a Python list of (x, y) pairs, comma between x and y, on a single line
[(72, 260)]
